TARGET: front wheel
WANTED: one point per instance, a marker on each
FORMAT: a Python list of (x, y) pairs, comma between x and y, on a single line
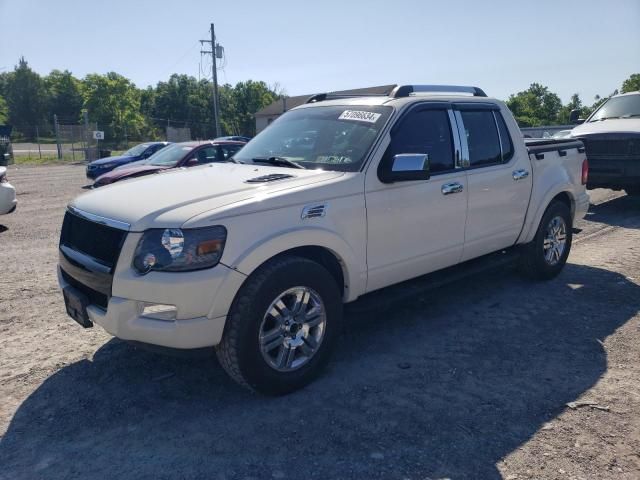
[(544, 257), (282, 326)]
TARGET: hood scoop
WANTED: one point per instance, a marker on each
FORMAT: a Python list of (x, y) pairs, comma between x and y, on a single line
[(272, 177)]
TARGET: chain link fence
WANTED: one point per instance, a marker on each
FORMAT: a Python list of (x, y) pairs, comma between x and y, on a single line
[(74, 141)]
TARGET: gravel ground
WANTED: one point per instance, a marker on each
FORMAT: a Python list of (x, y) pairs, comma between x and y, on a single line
[(468, 381)]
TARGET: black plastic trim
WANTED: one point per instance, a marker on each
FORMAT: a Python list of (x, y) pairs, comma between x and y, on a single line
[(462, 106)]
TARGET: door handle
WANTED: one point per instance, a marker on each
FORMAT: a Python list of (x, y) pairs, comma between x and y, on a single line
[(520, 174), (449, 188)]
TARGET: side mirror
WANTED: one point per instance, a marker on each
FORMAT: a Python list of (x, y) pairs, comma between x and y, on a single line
[(191, 162), (574, 117), (406, 167)]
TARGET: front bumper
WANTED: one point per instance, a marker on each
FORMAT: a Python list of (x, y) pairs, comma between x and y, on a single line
[(8, 201), (614, 173), (202, 298)]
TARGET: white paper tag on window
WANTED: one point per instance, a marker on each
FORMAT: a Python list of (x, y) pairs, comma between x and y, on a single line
[(360, 116)]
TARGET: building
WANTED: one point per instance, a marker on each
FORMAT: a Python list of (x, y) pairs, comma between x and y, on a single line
[(269, 113)]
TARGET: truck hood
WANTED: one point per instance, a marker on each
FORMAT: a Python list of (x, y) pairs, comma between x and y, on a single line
[(170, 198), (614, 125)]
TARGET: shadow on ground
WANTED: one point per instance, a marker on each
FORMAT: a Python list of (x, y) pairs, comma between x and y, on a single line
[(3, 228), (617, 212), (443, 386)]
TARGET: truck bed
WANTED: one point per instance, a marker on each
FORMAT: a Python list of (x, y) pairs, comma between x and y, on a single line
[(539, 146)]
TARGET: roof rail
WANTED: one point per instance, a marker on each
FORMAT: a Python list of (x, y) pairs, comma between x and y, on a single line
[(321, 97), (406, 90)]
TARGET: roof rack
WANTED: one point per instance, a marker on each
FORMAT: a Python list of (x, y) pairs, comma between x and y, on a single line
[(321, 97), (400, 91), (406, 90)]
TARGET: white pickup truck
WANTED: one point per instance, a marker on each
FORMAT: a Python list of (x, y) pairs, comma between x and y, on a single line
[(337, 198)]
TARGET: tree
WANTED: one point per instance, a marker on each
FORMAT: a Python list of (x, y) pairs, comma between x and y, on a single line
[(25, 96), (64, 95), (631, 84), (574, 104), (113, 101), (249, 97), (535, 106), (185, 102), (4, 111)]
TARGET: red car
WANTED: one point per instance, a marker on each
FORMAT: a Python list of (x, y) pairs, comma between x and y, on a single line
[(186, 154)]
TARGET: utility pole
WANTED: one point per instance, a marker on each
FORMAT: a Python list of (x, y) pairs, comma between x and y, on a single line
[(215, 52)]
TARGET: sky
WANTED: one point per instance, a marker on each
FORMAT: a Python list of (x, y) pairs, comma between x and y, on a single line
[(586, 46)]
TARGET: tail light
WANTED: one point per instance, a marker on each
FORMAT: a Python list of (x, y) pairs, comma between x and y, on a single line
[(585, 171)]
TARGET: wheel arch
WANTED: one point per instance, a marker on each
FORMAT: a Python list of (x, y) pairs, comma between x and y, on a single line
[(561, 193), (319, 245)]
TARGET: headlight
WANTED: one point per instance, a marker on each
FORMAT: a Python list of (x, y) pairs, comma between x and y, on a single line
[(176, 250)]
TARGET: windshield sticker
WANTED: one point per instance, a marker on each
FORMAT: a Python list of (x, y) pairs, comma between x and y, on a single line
[(360, 116)]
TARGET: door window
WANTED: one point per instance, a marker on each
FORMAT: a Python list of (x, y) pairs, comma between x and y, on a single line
[(482, 138), (228, 151), (424, 131), (205, 155), (505, 138)]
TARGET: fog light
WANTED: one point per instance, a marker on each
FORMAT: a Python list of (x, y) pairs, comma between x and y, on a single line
[(159, 311)]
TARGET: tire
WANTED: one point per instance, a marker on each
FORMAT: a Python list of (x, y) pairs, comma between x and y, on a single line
[(247, 358), (535, 261)]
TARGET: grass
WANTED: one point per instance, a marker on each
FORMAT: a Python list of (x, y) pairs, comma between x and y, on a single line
[(31, 159)]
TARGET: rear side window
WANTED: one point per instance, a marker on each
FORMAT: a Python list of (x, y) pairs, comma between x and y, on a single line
[(505, 138), (482, 138), (425, 131)]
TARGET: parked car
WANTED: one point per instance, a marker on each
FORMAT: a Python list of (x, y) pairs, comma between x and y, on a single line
[(8, 200), (611, 136), (257, 257), (186, 154), (139, 152), (562, 134), (234, 138)]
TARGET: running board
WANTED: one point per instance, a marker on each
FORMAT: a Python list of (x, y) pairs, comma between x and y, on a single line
[(409, 289)]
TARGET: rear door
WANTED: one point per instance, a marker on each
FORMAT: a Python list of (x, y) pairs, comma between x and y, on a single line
[(499, 180), (416, 227)]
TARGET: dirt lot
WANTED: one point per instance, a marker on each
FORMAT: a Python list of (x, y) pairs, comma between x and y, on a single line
[(468, 381)]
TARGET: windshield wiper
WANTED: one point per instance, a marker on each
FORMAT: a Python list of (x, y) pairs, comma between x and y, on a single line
[(629, 115), (278, 161), (606, 118)]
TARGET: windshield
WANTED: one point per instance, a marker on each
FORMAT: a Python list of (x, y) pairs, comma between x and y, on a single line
[(626, 106), (331, 138), (169, 156), (136, 151)]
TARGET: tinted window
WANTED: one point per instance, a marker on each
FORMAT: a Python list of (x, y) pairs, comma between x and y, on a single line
[(425, 131), (505, 138), (207, 155), (228, 151), (482, 137)]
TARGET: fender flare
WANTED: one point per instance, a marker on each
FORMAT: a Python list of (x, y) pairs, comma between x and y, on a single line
[(265, 248), (532, 223)]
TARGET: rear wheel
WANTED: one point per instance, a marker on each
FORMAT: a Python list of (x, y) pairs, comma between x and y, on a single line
[(282, 326), (545, 256)]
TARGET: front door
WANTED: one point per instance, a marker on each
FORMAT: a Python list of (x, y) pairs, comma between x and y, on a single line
[(416, 227)]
